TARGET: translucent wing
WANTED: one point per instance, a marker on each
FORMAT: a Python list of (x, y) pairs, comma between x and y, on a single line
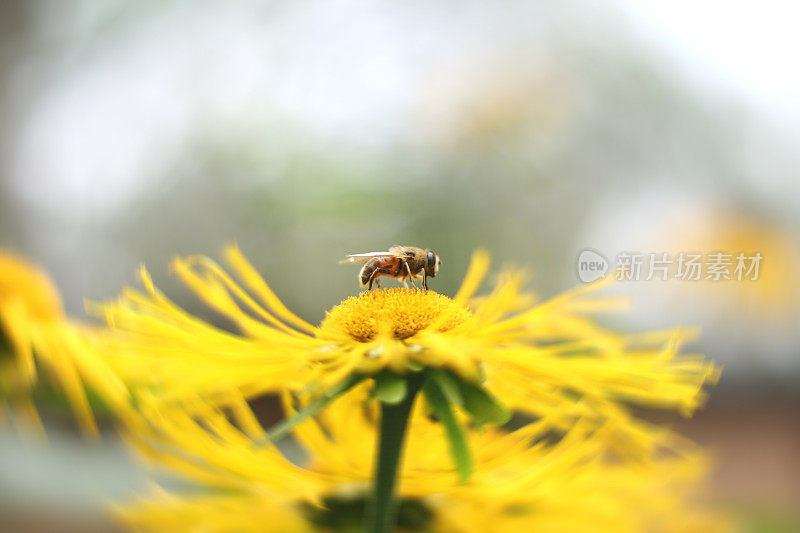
[(363, 258)]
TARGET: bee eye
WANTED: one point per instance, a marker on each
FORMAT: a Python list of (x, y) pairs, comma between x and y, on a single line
[(431, 259)]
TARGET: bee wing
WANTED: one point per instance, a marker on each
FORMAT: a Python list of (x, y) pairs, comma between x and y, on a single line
[(363, 258)]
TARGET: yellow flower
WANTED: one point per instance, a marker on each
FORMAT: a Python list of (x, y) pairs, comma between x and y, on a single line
[(537, 478), (537, 358), (770, 293), (44, 342), (402, 312)]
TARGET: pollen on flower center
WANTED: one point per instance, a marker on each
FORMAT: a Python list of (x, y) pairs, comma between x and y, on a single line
[(403, 312)]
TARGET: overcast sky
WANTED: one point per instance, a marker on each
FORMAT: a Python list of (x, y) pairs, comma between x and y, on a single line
[(749, 48)]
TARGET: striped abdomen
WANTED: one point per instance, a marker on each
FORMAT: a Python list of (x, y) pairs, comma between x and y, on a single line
[(385, 266)]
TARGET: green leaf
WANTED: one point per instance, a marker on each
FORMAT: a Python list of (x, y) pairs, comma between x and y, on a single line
[(484, 408), (285, 426), (456, 438), (390, 388), (415, 366), (448, 383)]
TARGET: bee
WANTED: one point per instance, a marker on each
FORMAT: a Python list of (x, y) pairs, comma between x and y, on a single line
[(400, 262)]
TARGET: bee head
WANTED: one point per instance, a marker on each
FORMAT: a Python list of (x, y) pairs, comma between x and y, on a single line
[(432, 264)]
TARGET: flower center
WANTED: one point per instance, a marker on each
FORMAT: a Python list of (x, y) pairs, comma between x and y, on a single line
[(400, 311)]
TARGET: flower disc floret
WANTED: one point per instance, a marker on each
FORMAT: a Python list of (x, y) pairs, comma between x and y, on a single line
[(398, 311)]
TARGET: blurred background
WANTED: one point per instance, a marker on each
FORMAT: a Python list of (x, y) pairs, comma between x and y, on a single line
[(134, 131)]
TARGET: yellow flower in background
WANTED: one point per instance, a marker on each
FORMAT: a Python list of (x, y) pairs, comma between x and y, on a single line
[(536, 478), (769, 294), (537, 358), (42, 344)]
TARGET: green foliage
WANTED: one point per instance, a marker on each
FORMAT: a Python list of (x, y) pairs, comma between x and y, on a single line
[(390, 387), (346, 515), (456, 436), (484, 408), (285, 426)]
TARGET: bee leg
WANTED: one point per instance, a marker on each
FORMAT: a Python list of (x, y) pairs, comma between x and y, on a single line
[(410, 276), (374, 278), (405, 283), (424, 280)]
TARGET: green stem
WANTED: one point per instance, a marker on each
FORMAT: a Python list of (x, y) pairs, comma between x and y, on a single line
[(382, 510)]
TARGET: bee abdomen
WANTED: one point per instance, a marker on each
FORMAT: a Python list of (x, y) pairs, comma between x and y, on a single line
[(366, 272)]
